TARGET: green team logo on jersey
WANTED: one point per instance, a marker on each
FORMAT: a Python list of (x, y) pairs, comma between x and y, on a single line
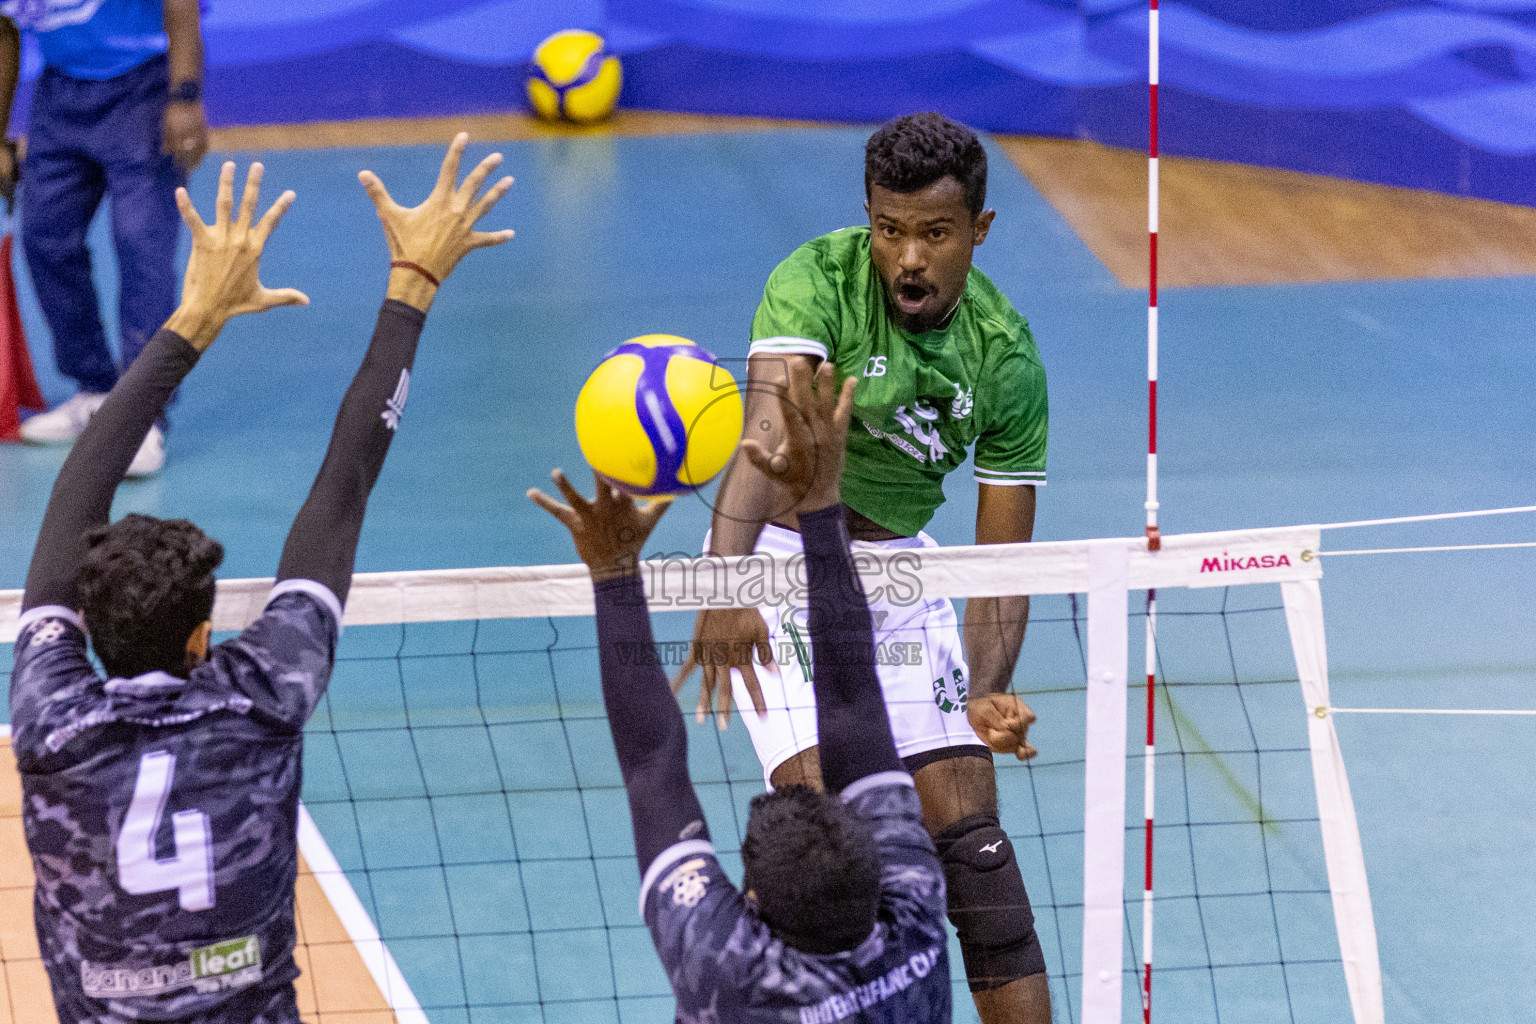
[(950, 692), (226, 957), (922, 399)]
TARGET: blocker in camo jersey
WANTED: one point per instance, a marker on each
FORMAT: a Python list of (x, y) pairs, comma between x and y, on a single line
[(725, 965), (922, 399), (161, 815)]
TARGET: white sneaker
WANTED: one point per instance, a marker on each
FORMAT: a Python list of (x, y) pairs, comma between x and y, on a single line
[(151, 455), (65, 423)]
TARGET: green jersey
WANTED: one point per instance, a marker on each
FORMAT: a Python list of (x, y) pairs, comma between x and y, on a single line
[(922, 399)]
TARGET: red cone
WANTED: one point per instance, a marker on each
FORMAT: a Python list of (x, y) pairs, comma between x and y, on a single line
[(18, 383)]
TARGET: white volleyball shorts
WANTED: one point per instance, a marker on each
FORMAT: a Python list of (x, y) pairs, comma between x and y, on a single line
[(918, 660)]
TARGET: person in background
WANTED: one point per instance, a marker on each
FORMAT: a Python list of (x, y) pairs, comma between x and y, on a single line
[(117, 111)]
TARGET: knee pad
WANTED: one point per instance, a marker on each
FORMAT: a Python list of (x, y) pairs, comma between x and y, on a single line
[(987, 903)]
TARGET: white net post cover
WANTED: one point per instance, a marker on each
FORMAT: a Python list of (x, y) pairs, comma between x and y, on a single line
[(1347, 883)]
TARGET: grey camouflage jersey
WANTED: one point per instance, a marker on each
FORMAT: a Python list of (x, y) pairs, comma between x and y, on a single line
[(726, 966), (161, 815)]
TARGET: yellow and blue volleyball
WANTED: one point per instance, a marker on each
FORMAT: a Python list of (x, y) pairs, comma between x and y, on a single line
[(659, 416), (574, 78)]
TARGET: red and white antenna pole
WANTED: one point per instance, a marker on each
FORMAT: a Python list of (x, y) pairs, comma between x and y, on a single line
[(1154, 539)]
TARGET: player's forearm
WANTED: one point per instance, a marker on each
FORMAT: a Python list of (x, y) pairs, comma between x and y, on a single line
[(184, 32), (994, 633), (736, 523), (82, 495), (853, 726), (994, 626), (322, 544), (648, 732)]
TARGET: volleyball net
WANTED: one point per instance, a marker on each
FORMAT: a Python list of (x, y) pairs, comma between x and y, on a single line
[(467, 844)]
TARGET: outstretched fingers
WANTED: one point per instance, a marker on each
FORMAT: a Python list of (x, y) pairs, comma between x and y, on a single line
[(224, 206), (564, 513), (706, 692), (189, 214), (689, 664), (749, 680), (491, 198), (651, 512), (579, 504), (448, 175), (382, 200), (723, 704), (486, 239), (272, 217), (476, 178), (252, 195), (271, 297)]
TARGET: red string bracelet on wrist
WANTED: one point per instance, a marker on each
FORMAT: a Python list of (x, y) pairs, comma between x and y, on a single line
[(423, 271)]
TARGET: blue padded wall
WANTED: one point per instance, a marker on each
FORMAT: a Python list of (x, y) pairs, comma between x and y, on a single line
[(1438, 95)]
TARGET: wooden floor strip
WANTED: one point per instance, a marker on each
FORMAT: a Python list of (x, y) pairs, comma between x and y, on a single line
[(335, 988), (511, 127), (1232, 224)]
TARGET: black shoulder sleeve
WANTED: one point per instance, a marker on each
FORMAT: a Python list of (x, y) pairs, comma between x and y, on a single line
[(82, 495), (322, 543), (851, 718), (648, 731)]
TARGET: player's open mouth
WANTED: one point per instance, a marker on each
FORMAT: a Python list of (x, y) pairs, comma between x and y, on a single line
[(911, 298)]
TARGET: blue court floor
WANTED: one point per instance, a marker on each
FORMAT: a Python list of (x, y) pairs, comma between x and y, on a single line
[(463, 774)]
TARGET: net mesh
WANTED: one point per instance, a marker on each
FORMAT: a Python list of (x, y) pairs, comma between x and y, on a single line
[(463, 777)]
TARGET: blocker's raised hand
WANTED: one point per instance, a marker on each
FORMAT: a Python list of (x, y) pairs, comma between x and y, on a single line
[(441, 231), (808, 463), (609, 530), (222, 276)]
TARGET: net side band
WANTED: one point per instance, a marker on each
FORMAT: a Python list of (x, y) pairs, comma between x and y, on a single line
[(1274, 555)]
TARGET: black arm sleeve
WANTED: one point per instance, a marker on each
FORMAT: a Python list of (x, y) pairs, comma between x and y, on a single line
[(82, 495), (850, 710), (322, 544), (648, 731)]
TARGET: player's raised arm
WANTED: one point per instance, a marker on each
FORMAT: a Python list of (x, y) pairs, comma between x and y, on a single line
[(854, 727), (648, 732), (425, 244), (221, 282)]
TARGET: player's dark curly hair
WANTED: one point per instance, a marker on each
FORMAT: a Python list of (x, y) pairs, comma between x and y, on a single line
[(814, 868), (145, 584), (910, 153)]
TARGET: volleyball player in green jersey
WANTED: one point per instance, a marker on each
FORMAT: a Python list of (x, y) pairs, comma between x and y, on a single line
[(943, 362)]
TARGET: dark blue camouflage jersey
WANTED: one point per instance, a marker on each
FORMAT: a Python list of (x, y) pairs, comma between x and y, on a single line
[(727, 968), (161, 815)]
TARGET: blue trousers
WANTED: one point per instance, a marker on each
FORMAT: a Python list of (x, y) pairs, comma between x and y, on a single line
[(86, 140)]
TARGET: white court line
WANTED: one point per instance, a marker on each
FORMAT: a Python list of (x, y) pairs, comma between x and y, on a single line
[(360, 928), (1441, 547), (1429, 518), (1432, 711), (354, 917)]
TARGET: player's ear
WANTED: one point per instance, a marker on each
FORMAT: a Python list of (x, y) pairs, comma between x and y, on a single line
[(981, 225), (197, 644)]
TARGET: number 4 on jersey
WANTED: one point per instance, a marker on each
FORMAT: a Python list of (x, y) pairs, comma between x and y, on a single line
[(190, 870)]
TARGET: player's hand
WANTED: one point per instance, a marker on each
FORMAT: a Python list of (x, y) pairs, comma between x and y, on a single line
[(441, 231), (222, 276), (808, 462), (1002, 722), (184, 134), (723, 639), (609, 531)]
